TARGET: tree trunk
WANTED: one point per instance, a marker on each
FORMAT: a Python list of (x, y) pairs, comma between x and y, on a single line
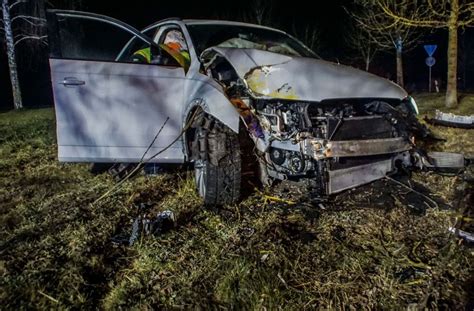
[(17, 101), (451, 90), (367, 62), (399, 46)]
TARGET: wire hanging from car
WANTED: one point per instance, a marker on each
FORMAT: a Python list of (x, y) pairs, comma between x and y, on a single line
[(142, 162)]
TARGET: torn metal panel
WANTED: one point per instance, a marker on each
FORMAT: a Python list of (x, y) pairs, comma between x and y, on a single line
[(280, 76), (445, 161), (452, 120), (352, 177)]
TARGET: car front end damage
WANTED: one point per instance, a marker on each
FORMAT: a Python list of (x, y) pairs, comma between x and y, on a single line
[(340, 144), (336, 142)]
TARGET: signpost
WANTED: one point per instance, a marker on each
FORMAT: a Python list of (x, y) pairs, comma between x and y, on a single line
[(430, 61)]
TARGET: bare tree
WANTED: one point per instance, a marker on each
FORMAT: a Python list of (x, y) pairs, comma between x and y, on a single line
[(361, 41), (384, 33), (259, 12), (28, 27), (309, 35), (447, 14)]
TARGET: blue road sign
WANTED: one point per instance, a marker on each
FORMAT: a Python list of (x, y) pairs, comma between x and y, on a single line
[(430, 49), (430, 61)]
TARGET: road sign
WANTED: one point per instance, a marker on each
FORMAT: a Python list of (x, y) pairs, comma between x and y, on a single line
[(430, 49), (430, 61)]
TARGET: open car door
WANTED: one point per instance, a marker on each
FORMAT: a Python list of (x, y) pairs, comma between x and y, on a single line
[(109, 108)]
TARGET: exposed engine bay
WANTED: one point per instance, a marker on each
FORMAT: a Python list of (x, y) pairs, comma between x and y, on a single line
[(338, 143)]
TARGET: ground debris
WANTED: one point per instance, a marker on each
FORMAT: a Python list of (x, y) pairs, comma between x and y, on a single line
[(466, 236), (452, 120), (144, 224)]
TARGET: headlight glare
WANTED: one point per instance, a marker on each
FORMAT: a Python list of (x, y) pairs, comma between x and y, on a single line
[(413, 105)]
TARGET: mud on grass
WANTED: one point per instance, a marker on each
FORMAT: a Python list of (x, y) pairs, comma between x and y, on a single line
[(366, 248)]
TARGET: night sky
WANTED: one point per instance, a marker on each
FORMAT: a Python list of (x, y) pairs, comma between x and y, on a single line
[(328, 16)]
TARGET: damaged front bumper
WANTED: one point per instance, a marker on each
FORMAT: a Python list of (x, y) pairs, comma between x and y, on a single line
[(380, 153), (347, 178), (321, 149)]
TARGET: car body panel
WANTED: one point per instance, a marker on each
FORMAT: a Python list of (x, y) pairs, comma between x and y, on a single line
[(206, 93), (275, 75), (110, 111), (116, 114)]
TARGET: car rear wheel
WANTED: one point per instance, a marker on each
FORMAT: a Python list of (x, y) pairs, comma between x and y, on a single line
[(217, 161)]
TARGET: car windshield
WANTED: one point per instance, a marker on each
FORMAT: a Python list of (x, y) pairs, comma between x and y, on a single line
[(245, 37)]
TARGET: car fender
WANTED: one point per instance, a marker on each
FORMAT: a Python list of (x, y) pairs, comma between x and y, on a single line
[(209, 95)]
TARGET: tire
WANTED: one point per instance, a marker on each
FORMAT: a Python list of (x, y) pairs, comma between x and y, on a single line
[(120, 170), (99, 168), (217, 161)]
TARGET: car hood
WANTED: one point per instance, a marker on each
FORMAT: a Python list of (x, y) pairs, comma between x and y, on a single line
[(275, 75)]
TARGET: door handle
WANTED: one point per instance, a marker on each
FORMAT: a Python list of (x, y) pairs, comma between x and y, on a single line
[(71, 81)]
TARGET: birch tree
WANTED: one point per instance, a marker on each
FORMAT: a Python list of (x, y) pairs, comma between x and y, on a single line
[(19, 27), (442, 14), (10, 44)]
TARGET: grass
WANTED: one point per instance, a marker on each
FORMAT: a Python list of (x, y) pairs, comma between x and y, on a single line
[(375, 247), (429, 102)]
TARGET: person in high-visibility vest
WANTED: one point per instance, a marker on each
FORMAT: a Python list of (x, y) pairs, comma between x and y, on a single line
[(174, 44), (142, 56)]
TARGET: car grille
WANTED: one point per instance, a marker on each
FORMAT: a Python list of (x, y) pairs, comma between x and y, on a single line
[(359, 128)]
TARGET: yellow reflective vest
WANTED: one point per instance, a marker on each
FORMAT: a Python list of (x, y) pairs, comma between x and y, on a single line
[(142, 56)]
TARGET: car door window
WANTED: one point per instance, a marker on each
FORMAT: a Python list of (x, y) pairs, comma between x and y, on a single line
[(135, 43), (86, 37)]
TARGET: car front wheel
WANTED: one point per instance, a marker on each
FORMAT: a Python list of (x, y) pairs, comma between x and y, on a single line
[(217, 161)]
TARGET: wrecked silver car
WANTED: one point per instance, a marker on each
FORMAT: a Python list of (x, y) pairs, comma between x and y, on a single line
[(252, 99)]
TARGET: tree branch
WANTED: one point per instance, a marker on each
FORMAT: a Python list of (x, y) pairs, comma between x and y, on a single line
[(467, 8), (382, 30), (434, 12), (467, 14), (16, 3), (28, 19), (31, 38), (416, 20)]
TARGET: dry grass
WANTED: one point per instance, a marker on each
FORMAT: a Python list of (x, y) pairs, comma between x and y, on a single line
[(429, 102), (375, 247)]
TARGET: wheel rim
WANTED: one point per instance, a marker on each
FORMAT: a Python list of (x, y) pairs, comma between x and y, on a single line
[(200, 175)]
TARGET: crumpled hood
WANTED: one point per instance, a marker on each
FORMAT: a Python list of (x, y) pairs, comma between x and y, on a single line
[(279, 76)]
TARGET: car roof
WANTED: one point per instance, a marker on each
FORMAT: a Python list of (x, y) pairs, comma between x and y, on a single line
[(223, 22), (212, 22)]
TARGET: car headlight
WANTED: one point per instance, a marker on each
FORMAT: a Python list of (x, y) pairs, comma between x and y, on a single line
[(413, 105)]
